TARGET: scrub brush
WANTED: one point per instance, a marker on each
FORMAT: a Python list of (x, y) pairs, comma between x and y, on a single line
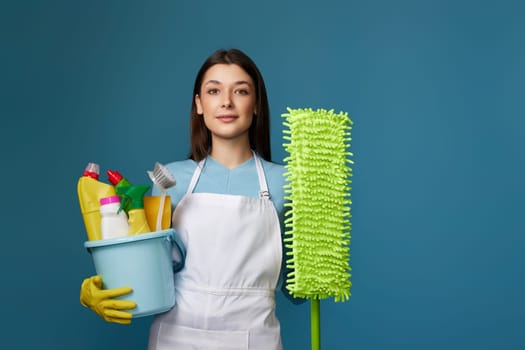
[(317, 224), (161, 177)]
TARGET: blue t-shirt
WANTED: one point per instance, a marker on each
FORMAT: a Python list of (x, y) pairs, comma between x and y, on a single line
[(216, 178)]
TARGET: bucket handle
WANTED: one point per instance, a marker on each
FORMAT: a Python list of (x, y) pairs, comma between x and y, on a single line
[(179, 253)]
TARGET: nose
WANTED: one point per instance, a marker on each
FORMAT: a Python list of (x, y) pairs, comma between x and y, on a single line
[(227, 101)]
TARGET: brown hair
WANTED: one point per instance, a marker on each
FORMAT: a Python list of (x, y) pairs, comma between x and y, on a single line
[(259, 133)]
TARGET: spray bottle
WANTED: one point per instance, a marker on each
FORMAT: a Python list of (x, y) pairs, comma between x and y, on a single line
[(117, 179), (133, 202), (90, 190)]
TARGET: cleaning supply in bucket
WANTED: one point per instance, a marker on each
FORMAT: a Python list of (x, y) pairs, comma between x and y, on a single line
[(92, 170), (121, 184), (318, 222), (114, 222), (117, 180), (152, 210), (90, 190), (132, 198), (161, 177)]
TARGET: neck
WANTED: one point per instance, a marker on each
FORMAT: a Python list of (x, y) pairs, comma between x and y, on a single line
[(231, 154)]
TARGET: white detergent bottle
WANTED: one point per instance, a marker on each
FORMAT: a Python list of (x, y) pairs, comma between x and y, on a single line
[(114, 222)]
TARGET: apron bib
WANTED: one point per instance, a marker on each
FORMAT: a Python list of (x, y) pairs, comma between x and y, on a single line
[(225, 295)]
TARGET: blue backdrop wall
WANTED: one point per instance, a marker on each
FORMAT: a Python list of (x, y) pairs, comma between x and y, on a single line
[(435, 89)]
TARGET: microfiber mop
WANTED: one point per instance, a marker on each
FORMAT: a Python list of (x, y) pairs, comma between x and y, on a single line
[(317, 224)]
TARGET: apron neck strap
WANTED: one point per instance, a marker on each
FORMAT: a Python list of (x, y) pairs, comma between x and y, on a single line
[(263, 187), (196, 175)]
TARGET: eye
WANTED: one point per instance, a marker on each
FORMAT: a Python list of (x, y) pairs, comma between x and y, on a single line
[(242, 92), (212, 91)]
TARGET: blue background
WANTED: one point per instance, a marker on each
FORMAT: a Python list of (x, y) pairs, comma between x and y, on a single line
[(435, 89)]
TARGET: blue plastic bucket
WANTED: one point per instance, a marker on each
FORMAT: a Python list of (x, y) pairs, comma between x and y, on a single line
[(142, 262)]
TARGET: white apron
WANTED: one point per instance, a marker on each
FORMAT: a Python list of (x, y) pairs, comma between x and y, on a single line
[(225, 294)]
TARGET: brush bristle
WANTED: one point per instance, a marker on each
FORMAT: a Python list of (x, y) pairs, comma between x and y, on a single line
[(161, 176), (318, 223)]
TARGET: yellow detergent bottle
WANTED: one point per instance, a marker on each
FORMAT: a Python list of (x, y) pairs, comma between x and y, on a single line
[(133, 202), (90, 190)]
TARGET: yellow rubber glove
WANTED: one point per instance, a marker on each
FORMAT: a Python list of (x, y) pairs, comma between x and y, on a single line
[(101, 300)]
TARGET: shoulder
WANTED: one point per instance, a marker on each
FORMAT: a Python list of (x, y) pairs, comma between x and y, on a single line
[(181, 166), (275, 173), (182, 172), (273, 169), (275, 178)]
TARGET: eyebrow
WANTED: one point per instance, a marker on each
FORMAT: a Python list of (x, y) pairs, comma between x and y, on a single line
[(239, 82)]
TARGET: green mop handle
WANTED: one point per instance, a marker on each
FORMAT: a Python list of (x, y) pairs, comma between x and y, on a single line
[(315, 321)]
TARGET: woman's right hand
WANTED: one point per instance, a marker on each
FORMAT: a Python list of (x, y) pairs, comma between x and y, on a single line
[(101, 300)]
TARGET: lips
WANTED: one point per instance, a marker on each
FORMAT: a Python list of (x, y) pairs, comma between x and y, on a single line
[(226, 118)]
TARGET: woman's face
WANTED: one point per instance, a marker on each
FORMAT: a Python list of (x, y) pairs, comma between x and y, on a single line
[(227, 102)]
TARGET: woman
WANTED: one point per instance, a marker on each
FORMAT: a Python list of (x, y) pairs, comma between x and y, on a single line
[(228, 212)]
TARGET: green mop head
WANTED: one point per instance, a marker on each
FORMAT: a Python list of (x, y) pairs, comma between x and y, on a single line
[(317, 224)]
